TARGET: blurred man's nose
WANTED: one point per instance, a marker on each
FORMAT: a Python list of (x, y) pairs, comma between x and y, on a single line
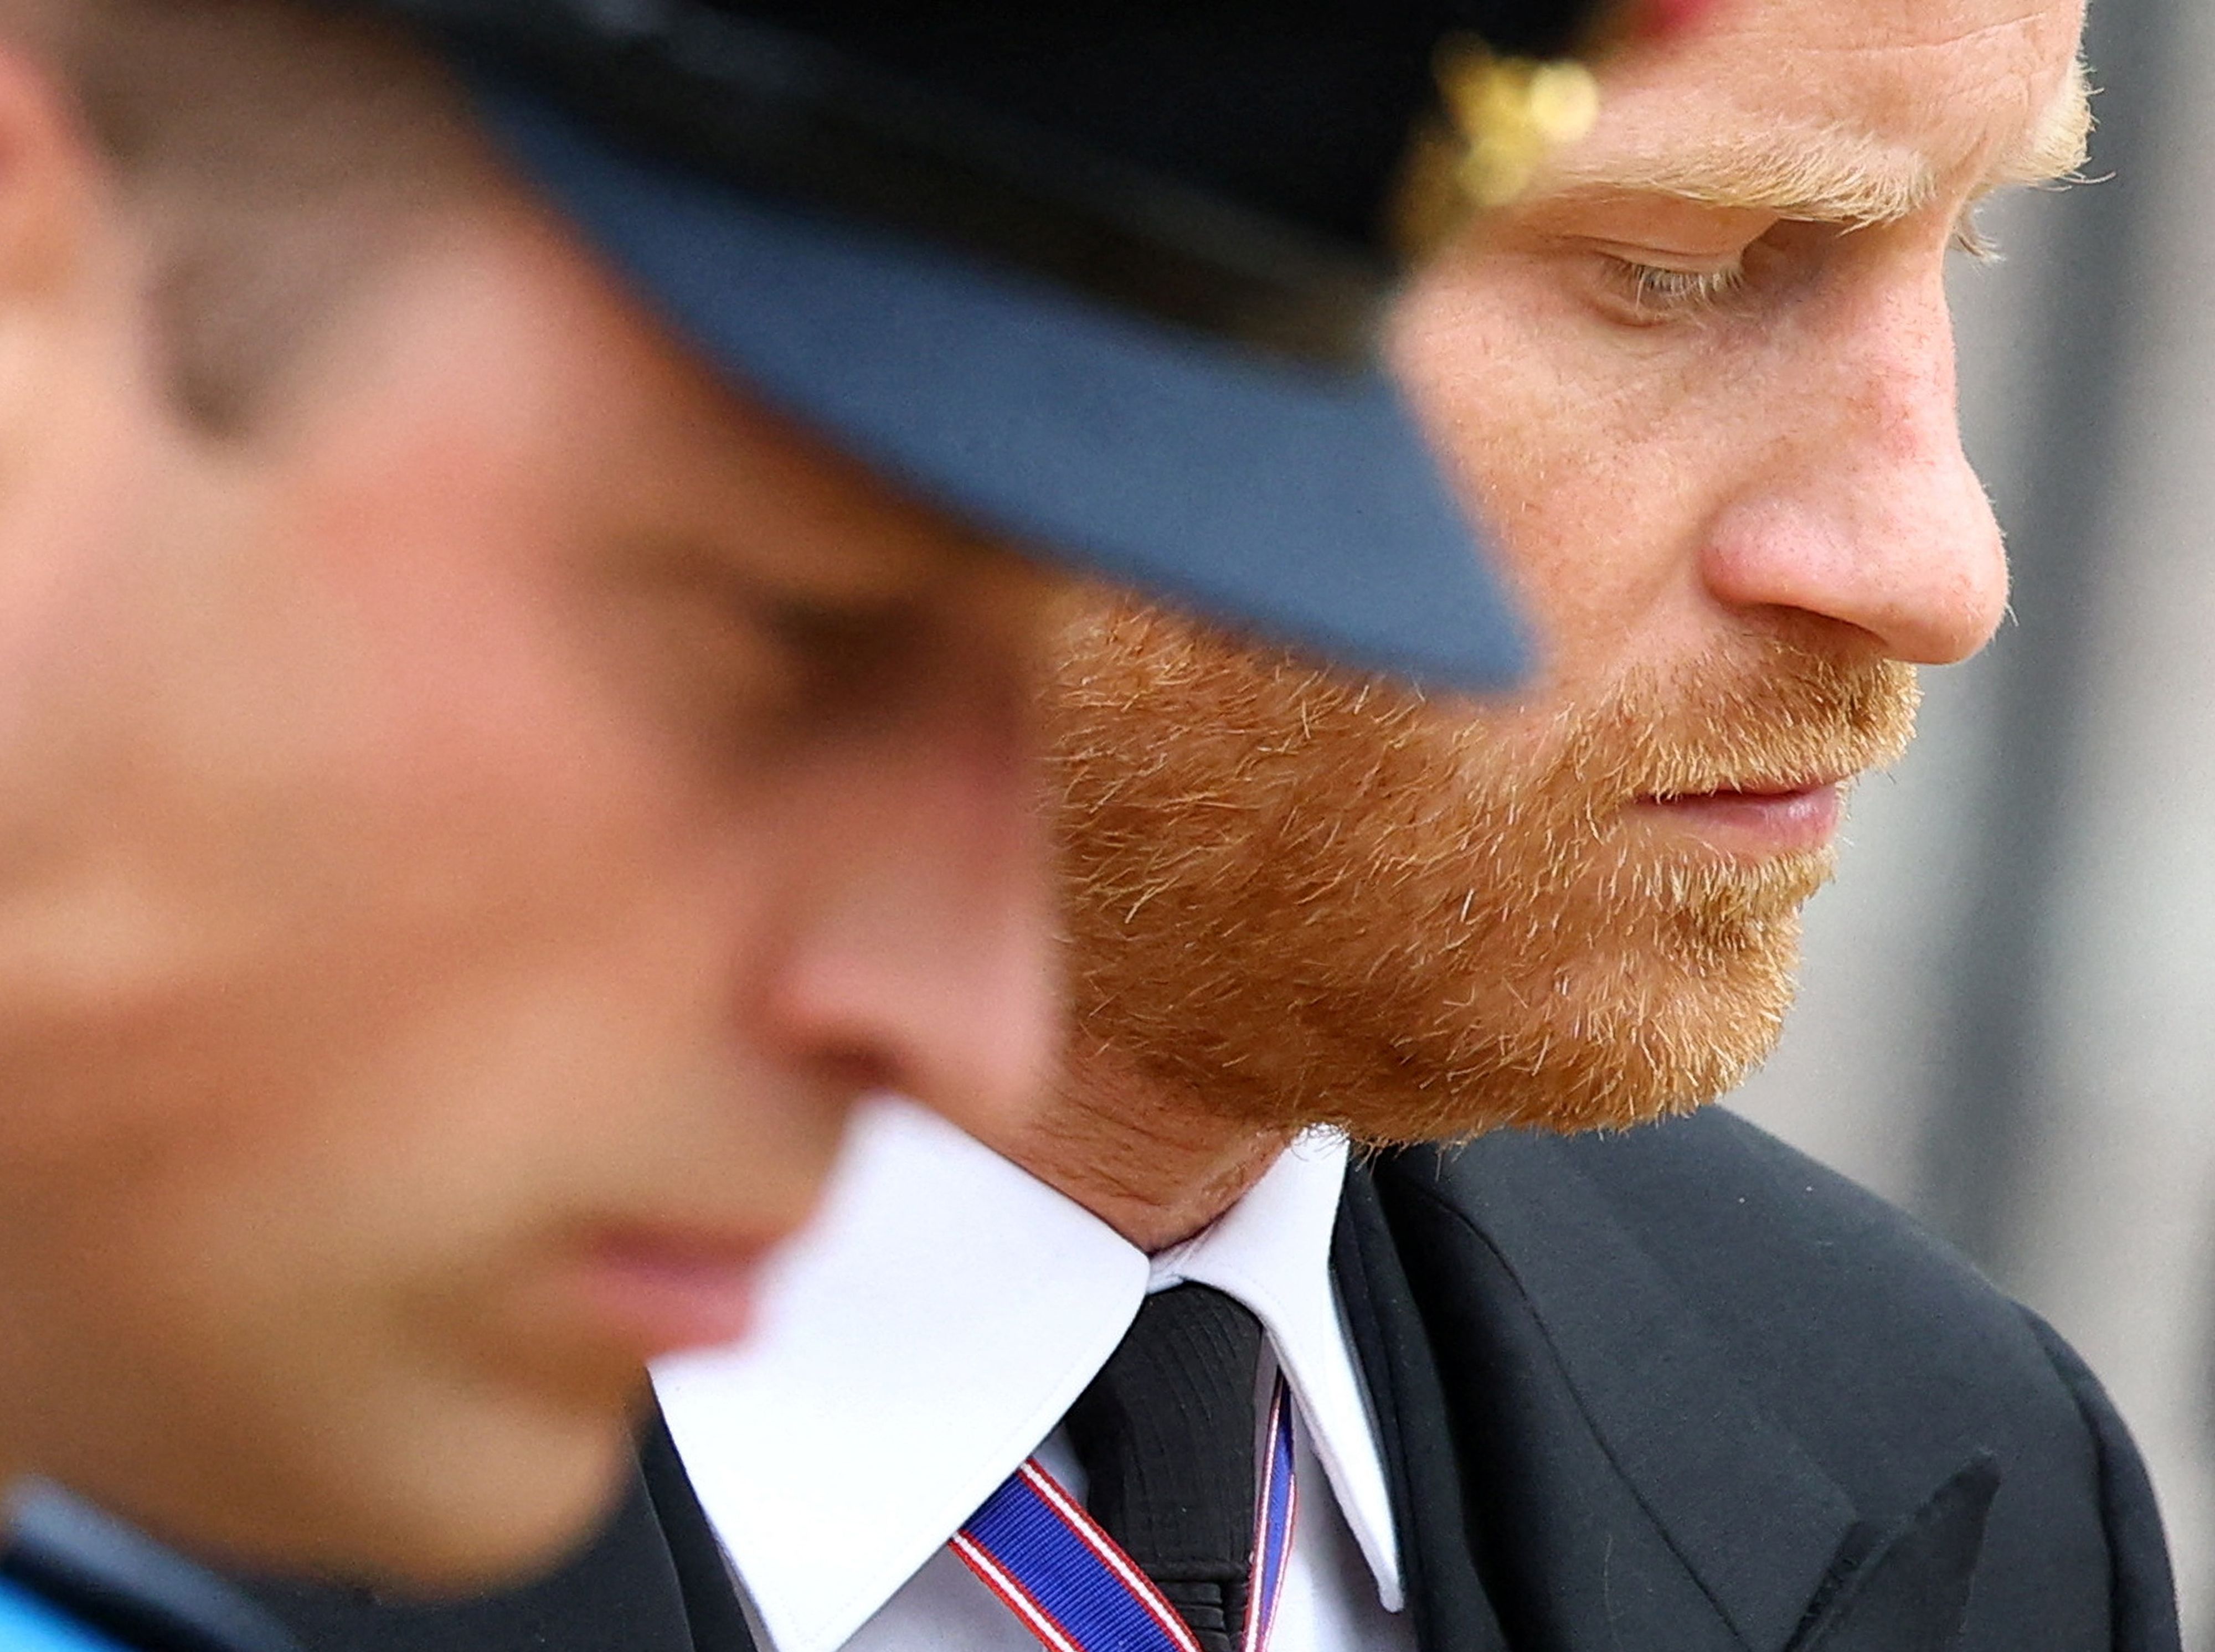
[(1863, 507), (924, 960)]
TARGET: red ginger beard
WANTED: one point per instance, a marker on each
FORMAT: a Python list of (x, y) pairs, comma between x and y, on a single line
[(1300, 899)]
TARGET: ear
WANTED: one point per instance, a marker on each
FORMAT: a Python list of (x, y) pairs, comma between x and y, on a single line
[(76, 342), (57, 190)]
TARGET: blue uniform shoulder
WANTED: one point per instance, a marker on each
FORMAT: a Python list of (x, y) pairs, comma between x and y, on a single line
[(128, 1590), (29, 1624)]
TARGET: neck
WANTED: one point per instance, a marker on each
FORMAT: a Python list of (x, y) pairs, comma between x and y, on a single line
[(1140, 1154)]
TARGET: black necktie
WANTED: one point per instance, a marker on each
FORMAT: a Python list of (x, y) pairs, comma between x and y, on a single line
[(1166, 1434)]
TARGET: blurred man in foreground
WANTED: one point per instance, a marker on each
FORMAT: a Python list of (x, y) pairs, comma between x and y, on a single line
[(1671, 1388), (514, 687)]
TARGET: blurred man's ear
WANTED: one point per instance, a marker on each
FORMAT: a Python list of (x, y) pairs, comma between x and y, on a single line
[(61, 243)]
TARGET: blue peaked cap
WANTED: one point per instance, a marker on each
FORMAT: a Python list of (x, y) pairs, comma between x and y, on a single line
[(1125, 320)]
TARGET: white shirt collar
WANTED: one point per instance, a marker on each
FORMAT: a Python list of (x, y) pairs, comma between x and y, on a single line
[(930, 1331)]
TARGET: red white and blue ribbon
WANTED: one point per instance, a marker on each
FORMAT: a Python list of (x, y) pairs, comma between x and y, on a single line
[(1275, 1510), (1075, 1589)]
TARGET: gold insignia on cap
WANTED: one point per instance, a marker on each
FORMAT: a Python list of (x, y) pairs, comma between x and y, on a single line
[(1512, 113), (1507, 114)]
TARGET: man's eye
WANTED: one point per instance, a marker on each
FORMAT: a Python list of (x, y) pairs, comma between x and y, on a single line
[(1655, 293), (748, 661), (846, 655)]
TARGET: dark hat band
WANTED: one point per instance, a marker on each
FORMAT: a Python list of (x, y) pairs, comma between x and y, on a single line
[(782, 113)]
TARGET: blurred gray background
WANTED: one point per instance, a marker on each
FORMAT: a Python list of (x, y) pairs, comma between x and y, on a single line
[(2007, 1019)]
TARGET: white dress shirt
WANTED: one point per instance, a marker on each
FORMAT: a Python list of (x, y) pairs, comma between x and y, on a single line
[(926, 1337)]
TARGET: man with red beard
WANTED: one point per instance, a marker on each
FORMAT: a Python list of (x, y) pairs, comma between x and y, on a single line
[(1664, 1386), (1172, 1366)]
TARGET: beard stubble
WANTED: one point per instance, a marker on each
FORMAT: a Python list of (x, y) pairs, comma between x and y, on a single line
[(1297, 899)]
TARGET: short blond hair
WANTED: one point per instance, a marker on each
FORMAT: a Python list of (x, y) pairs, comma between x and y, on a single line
[(275, 149)]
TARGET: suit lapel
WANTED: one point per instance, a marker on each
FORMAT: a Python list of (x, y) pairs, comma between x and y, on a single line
[(1911, 1591), (1613, 1482), (1446, 1595), (703, 1576)]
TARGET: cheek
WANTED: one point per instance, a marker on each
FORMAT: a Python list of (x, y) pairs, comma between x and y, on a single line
[(415, 901), (465, 714), (1593, 453), (355, 1177)]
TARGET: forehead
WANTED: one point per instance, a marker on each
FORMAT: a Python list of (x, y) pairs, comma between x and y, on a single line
[(1962, 91)]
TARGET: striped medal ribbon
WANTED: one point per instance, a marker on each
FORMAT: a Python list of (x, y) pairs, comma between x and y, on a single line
[(1072, 1586)]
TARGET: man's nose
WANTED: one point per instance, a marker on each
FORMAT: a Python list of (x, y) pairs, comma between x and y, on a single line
[(1863, 507), (924, 960)]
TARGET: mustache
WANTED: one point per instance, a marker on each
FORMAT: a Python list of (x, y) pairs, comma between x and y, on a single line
[(1155, 722), (1774, 716)]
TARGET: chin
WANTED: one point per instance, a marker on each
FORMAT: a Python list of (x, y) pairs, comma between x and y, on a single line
[(498, 1515), (460, 1501), (1577, 1090), (1617, 1061), (1612, 1042)]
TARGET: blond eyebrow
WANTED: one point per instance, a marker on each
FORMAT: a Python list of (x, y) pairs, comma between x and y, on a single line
[(2058, 144), (2054, 153), (1825, 173), (1821, 174)]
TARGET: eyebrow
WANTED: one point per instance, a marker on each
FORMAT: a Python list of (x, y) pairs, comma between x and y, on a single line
[(2060, 143), (1828, 173)]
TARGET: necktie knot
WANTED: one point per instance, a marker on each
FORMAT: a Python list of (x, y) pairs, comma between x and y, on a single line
[(1167, 1433)]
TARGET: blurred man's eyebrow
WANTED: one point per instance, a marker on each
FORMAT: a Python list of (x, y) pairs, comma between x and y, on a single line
[(1826, 174)]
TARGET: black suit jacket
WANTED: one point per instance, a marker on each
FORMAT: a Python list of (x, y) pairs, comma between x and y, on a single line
[(1679, 1390)]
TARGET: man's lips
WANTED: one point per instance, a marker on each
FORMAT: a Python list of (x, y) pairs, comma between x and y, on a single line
[(1760, 822), (666, 1290)]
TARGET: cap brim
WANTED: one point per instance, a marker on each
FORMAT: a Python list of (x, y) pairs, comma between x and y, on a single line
[(1298, 505)]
